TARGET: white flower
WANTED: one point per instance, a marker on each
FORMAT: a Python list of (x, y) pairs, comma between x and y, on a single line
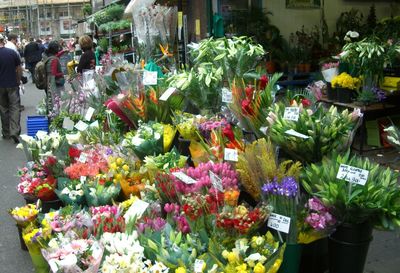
[(20, 146), (253, 257), (27, 139), (41, 135), (73, 138), (352, 34)]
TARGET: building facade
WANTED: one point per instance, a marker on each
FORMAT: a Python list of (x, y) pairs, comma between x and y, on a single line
[(43, 18)]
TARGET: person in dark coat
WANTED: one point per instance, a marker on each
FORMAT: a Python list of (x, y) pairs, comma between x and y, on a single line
[(33, 54)]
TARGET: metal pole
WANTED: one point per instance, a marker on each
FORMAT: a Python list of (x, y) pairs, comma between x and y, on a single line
[(38, 15)]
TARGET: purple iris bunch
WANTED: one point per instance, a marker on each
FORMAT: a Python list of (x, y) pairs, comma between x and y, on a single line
[(287, 187), (379, 93)]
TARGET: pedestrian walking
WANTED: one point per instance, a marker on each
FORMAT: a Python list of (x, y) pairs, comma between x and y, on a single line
[(54, 75), (10, 79), (12, 42), (88, 58), (33, 55)]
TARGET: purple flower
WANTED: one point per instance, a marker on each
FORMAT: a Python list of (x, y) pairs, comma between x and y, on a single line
[(287, 187), (379, 93), (315, 204)]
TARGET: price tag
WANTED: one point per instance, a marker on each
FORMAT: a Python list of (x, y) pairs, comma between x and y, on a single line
[(185, 178), (216, 181), (167, 93), (68, 124), (296, 134), (81, 126), (150, 77), (226, 95), (231, 155), (352, 174), (83, 179), (89, 114), (291, 113), (264, 130), (198, 266), (82, 158), (136, 210), (279, 222), (94, 124)]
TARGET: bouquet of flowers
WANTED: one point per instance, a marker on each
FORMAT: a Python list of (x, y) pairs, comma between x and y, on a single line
[(24, 215), (147, 140), (330, 70), (100, 191), (36, 182), (187, 124), (35, 239), (319, 221), (67, 219), (70, 191), (107, 219), (344, 80), (205, 127), (42, 145), (69, 253), (165, 162), (251, 101), (314, 134)]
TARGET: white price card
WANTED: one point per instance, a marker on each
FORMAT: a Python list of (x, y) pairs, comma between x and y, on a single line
[(68, 124), (231, 155), (226, 95), (216, 181), (198, 266), (167, 93), (296, 134), (279, 222), (89, 114), (150, 77), (291, 113), (94, 124), (81, 126), (136, 210), (82, 158), (184, 177), (352, 174)]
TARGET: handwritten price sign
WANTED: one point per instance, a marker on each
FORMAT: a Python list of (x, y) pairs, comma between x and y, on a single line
[(226, 95), (279, 222), (291, 113), (352, 174)]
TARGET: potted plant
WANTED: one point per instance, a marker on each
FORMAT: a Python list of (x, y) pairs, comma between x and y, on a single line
[(346, 86), (370, 199)]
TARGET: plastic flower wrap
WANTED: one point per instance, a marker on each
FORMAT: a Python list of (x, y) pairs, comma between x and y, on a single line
[(250, 102), (147, 140), (100, 191), (127, 174), (42, 145), (315, 133), (260, 254), (164, 162), (187, 124), (24, 215), (68, 219), (69, 253), (318, 223), (70, 191), (36, 182), (344, 80)]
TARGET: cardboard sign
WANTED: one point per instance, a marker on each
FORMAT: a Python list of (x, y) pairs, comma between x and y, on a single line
[(216, 181), (150, 77), (231, 155), (89, 114), (136, 210), (296, 134), (226, 95), (81, 126), (352, 174), (291, 113), (279, 222), (68, 124), (185, 178), (167, 93)]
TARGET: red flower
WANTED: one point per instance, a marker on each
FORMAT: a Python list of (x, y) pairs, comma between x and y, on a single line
[(51, 160), (228, 132), (246, 107), (263, 82), (306, 102), (74, 152), (249, 92)]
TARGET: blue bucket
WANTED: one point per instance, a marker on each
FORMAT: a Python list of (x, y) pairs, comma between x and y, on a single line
[(35, 124)]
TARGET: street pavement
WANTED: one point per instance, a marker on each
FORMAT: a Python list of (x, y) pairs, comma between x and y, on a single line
[(383, 253)]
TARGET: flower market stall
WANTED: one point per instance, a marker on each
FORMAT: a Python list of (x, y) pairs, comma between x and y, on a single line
[(204, 170)]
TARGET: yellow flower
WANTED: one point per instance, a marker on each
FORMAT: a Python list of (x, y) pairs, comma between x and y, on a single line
[(257, 241), (241, 268), (259, 268), (232, 257), (180, 270), (241, 210), (225, 254), (275, 267), (125, 168), (119, 161)]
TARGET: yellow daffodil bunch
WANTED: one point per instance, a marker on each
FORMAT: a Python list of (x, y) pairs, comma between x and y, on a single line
[(344, 80), (24, 215)]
